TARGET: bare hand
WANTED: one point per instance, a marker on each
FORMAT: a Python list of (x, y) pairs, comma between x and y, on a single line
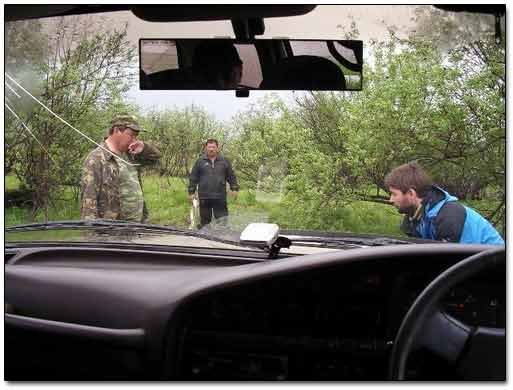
[(191, 197), (136, 147)]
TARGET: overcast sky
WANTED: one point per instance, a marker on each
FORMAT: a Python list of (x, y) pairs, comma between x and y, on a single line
[(325, 21)]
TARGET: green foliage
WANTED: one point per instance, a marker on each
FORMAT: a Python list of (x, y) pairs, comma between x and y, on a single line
[(264, 143), (168, 205), (418, 104), (24, 45), (246, 198), (180, 135), (11, 183), (356, 217), (81, 74), (61, 210), (166, 201)]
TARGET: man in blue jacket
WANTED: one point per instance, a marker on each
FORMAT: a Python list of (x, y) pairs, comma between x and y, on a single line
[(209, 175), (432, 213)]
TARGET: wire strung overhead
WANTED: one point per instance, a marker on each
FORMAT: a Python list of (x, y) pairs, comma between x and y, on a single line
[(66, 123), (29, 131)]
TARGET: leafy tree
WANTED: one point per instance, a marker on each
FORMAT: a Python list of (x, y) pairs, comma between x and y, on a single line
[(85, 69), (256, 139), (180, 134), (479, 56), (445, 108)]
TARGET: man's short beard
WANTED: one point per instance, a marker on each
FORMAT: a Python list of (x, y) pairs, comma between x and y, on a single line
[(408, 210)]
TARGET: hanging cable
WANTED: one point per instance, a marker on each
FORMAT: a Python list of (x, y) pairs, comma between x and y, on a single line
[(12, 90), (66, 123), (29, 131)]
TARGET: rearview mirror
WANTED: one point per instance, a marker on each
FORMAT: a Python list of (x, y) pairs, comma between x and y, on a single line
[(262, 64)]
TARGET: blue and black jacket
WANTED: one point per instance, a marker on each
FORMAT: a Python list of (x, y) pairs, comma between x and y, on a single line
[(444, 219)]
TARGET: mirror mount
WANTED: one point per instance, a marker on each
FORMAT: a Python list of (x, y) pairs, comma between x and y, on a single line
[(246, 29), (242, 92)]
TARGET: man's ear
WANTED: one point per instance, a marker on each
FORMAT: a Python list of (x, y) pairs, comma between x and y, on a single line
[(413, 192)]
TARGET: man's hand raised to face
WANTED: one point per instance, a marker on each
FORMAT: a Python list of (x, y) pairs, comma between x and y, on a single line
[(136, 147)]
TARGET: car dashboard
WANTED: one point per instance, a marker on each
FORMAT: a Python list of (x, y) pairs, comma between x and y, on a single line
[(329, 324), (110, 314)]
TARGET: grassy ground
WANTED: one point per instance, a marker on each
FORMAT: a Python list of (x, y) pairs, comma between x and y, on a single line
[(65, 209), (167, 203)]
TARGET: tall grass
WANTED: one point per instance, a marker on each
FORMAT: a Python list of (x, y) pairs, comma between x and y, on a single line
[(166, 199), (357, 217), (63, 210)]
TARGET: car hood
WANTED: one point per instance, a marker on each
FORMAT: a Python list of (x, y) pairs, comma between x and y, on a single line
[(109, 232)]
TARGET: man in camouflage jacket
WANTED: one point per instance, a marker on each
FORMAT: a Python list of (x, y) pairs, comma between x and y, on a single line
[(111, 188)]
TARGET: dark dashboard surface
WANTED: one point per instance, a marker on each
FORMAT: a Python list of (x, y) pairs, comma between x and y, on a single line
[(332, 323), (328, 316)]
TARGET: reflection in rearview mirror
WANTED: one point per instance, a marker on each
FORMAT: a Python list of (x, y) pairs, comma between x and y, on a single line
[(263, 64)]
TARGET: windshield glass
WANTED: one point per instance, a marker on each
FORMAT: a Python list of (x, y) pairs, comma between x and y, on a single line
[(83, 142)]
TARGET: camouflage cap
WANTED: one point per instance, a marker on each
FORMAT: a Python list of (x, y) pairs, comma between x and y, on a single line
[(126, 120)]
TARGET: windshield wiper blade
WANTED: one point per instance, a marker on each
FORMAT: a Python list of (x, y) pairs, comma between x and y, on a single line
[(378, 241), (97, 224), (106, 226)]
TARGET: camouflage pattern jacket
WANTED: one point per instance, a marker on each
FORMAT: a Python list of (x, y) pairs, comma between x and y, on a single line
[(100, 193)]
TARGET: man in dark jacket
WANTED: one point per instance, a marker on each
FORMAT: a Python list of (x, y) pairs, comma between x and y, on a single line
[(434, 214), (210, 174)]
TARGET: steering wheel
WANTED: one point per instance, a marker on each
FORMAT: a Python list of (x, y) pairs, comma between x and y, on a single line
[(478, 353)]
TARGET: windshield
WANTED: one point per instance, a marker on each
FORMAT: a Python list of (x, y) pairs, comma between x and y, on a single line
[(83, 142)]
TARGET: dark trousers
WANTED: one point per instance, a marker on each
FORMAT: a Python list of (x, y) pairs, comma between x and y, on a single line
[(207, 206)]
